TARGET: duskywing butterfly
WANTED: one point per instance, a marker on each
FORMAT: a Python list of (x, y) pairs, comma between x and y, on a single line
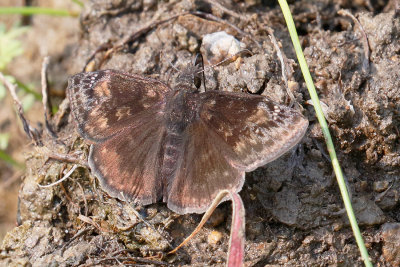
[(152, 142)]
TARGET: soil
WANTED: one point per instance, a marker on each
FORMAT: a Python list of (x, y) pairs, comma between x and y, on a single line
[(294, 211)]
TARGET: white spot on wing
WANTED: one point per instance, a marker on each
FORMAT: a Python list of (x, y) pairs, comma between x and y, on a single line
[(276, 112)]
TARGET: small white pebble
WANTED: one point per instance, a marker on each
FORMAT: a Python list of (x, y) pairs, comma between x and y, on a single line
[(218, 46)]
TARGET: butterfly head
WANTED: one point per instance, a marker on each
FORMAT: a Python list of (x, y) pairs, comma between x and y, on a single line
[(190, 78), (192, 75)]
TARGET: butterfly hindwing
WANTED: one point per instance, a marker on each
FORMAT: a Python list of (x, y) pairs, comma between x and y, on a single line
[(104, 102), (202, 173)]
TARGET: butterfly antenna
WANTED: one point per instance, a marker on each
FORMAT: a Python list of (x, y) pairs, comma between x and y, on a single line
[(233, 57), (217, 64), (197, 80), (173, 67)]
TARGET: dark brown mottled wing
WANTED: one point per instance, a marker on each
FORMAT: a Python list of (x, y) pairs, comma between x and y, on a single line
[(203, 172), (104, 102), (255, 129), (129, 162), (234, 133), (122, 115)]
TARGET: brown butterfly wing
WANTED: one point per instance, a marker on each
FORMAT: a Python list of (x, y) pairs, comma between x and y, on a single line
[(128, 162), (202, 173), (255, 129), (233, 133), (104, 102), (122, 115)]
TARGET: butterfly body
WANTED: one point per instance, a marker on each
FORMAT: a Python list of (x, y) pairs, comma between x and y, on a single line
[(181, 110), (152, 142)]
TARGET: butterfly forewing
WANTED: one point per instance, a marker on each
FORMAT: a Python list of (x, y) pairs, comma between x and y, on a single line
[(104, 102), (128, 163), (255, 129)]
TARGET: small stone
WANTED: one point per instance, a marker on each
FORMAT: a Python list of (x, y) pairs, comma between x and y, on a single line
[(308, 240), (193, 44), (363, 186), (254, 229), (367, 212), (390, 233), (293, 86), (218, 46), (337, 226), (214, 237), (149, 4), (352, 173), (380, 186), (388, 199)]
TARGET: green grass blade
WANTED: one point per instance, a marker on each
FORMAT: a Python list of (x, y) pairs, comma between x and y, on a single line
[(7, 158), (28, 90), (80, 3), (325, 130), (31, 10)]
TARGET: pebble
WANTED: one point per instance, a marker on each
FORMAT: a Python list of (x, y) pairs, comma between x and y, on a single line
[(390, 233), (214, 237), (380, 186), (218, 46)]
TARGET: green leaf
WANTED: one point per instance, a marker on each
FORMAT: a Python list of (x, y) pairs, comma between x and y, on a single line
[(10, 47), (27, 101), (4, 137), (29, 89), (7, 158)]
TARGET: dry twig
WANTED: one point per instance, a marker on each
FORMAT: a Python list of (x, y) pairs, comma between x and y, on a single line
[(66, 176), (67, 158), (45, 99), (287, 71), (32, 133), (80, 233), (365, 65), (226, 10)]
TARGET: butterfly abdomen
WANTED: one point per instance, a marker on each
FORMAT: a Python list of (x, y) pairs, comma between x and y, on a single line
[(180, 114), (172, 148)]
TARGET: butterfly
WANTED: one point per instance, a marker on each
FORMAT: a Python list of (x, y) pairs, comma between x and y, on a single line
[(150, 142)]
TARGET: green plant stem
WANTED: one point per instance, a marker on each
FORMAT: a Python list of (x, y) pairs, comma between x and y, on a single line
[(30, 10), (78, 2), (325, 130), (7, 158), (28, 90)]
